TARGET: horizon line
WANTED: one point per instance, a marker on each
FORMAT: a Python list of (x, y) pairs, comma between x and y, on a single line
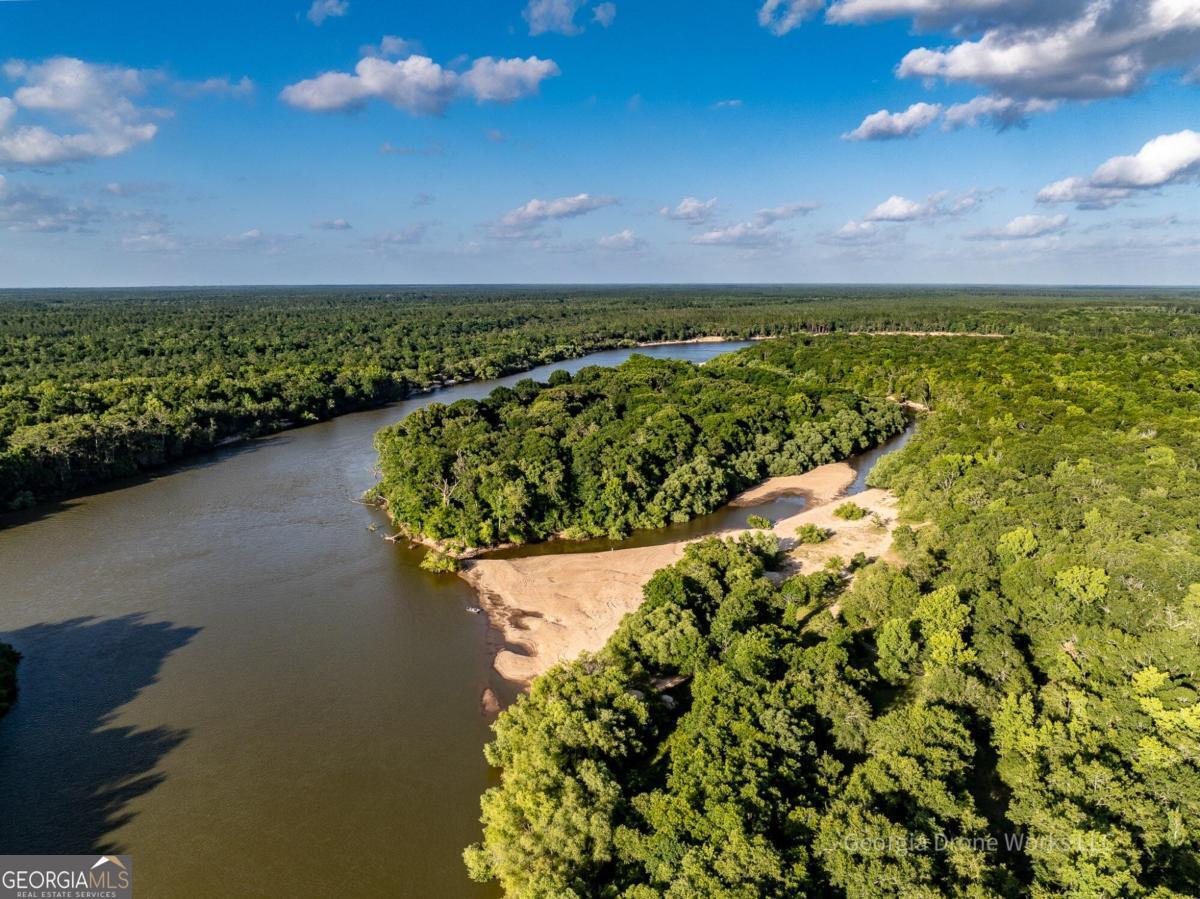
[(315, 285)]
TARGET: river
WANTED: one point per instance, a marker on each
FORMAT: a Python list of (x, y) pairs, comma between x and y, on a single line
[(230, 677)]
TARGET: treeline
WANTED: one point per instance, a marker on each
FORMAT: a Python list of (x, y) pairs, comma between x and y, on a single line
[(612, 449), (1011, 709), (100, 384)]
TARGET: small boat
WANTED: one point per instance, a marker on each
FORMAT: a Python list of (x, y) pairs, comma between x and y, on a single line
[(474, 610)]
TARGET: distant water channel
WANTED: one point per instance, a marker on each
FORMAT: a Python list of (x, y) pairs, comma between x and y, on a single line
[(231, 678), (724, 519)]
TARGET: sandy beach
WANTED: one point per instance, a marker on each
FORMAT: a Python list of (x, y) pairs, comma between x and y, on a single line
[(710, 338), (548, 609)]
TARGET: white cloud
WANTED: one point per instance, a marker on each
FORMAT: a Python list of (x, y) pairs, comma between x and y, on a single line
[(1082, 193), (338, 224), (419, 85), (150, 233), (97, 98), (690, 210), (1025, 227), (38, 146), (939, 205), (770, 216), (927, 13), (1167, 159), (556, 16), (524, 220), (781, 16), (1001, 113), (66, 84), (758, 234), (390, 47), (884, 125), (603, 14), (416, 84), (1030, 54), (255, 240), (858, 233), (898, 209), (1063, 50), (8, 109), (150, 242), (252, 236), (623, 240), (505, 80), (29, 209), (327, 9), (727, 104), (748, 235)]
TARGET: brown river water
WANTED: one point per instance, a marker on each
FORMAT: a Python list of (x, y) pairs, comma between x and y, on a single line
[(230, 678)]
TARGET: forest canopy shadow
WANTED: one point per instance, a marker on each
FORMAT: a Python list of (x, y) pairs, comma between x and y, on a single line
[(201, 458), (67, 775)]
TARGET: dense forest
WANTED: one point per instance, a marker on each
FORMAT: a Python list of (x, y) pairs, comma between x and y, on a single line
[(1011, 708), (613, 449), (96, 385)]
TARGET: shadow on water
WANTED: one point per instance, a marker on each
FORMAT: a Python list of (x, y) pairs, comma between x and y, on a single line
[(726, 518), (67, 774), (200, 460), (865, 461)]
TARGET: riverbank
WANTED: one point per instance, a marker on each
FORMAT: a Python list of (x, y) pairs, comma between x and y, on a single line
[(709, 339), (547, 609), (149, 624)]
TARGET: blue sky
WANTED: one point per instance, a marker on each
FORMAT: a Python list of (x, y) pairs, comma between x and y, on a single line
[(348, 141)]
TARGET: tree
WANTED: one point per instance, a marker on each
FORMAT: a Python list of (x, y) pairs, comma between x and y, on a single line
[(850, 511), (810, 533)]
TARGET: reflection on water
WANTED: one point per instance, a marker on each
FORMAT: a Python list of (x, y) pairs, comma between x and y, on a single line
[(727, 518), (230, 677), (864, 462)]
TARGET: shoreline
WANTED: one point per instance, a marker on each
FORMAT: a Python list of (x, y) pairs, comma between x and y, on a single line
[(711, 338), (542, 610)]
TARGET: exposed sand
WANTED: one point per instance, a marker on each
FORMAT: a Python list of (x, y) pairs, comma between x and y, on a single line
[(820, 486), (711, 338), (548, 609), (725, 339), (849, 537)]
